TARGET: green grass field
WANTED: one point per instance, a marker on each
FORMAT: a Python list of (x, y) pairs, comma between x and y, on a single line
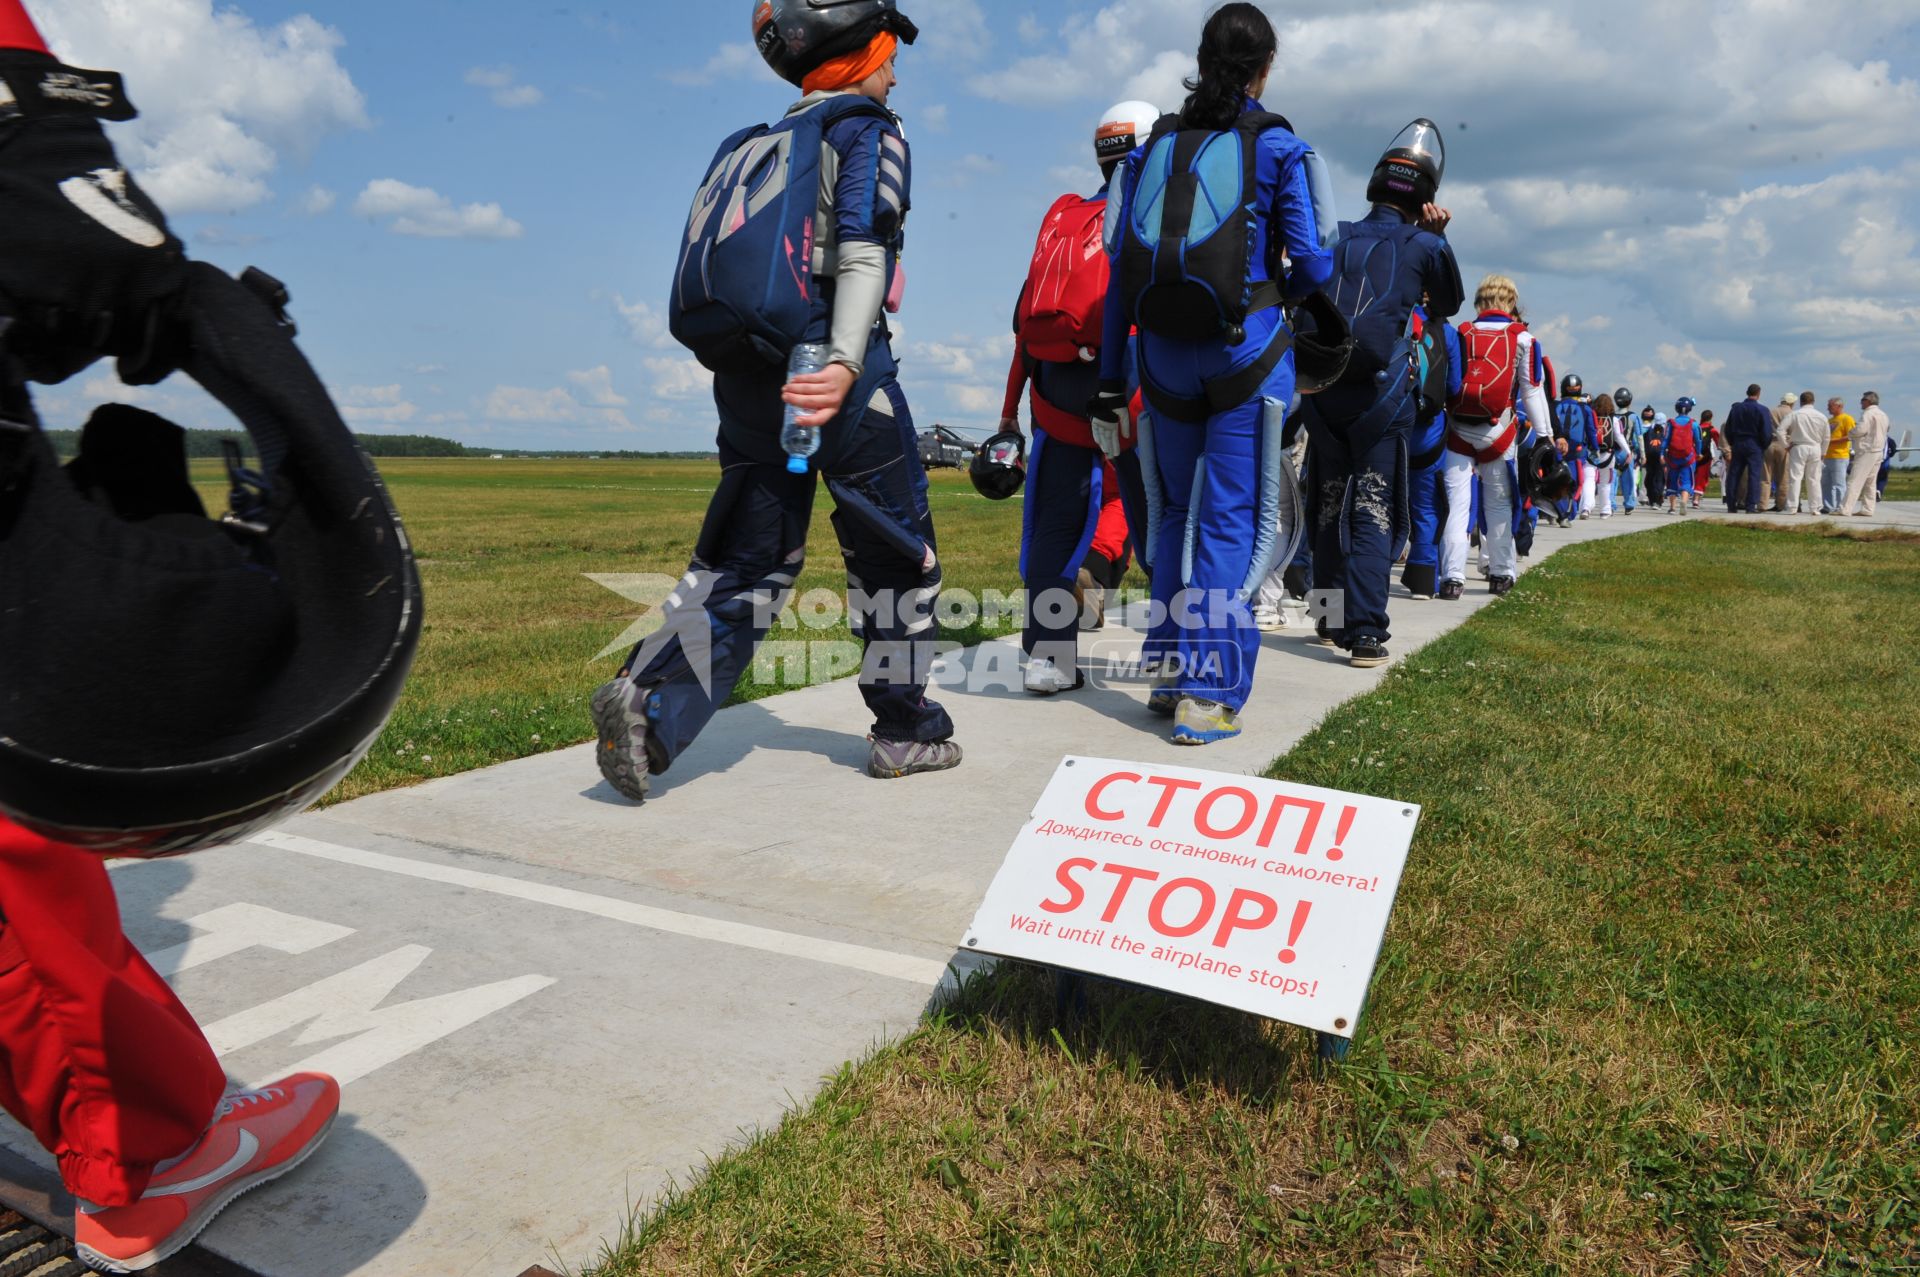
[(1649, 1003), (513, 624)]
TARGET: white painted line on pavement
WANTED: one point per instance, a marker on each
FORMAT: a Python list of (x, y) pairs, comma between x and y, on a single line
[(897, 966)]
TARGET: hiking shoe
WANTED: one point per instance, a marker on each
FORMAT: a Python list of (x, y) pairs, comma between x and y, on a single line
[(1044, 678), (1451, 591), (1499, 585), (1367, 653), (1091, 596), (892, 759), (1163, 700), (620, 721), (256, 1136), (1198, 722)]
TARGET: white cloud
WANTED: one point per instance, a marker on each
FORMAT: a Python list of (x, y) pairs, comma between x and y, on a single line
[(597, 383), (556, 405), (377, 406), (504, 86), (729, 62), (317, 201), (220, 97), (954, 30), (678, 378), (647, 325), (520, 403), (419, 211), (935, 119)]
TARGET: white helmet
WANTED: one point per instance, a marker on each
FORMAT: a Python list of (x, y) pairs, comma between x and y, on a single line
[(1122, 129)]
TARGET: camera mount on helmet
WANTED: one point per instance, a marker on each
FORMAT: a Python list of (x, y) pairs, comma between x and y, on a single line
[(797, 36), (1408, 176), (1122, 129)]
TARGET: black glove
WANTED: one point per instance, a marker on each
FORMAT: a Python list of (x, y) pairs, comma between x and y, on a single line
[(1110, 414), (87, 260)]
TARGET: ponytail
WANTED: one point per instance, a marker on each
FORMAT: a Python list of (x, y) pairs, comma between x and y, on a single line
[(1235, 48)]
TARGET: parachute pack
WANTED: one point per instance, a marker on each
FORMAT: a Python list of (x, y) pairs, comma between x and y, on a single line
[(1185, 252), (1061, 310), (1492, 365), (1368, 288), (743, 288)]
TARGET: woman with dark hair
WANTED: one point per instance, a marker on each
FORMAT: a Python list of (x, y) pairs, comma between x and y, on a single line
[(1216, 224)]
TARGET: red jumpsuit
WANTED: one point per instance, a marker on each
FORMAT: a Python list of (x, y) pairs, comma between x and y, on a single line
[(98, 1058)]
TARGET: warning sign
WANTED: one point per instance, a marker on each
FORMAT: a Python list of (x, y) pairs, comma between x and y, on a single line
[(1251, 893)]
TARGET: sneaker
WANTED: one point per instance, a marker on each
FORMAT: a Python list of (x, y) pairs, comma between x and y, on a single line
[(1451, 591), (620, 722), (1269, 620), (1500, 586), (256, 1136), (1198, 722), (1163, 700), (1322, 637), (1368, 653), (1044, 678), (892, 759), (1092, 598)]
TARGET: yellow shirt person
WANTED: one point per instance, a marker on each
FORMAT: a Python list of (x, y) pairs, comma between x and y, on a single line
[(1838, 447)]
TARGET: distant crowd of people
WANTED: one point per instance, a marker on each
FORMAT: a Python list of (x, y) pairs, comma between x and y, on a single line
[(1790, 459)]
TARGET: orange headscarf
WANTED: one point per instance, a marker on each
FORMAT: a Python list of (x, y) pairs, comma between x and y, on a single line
[(850, 69)]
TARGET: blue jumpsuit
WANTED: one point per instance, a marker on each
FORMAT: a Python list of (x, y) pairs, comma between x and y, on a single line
[(752, 546), (1426, 487), (1356, 467), (1207, 474)]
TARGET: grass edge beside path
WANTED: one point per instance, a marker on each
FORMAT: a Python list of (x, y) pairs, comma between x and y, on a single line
[(1648, 1003)]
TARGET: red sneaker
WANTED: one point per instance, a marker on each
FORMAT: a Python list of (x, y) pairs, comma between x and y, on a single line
[(256, 1136)]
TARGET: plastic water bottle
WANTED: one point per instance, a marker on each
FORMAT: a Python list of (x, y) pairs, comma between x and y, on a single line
[(797, 441)]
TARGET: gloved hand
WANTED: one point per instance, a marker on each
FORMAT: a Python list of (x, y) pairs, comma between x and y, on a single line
[(1111, 415), (87, 260)]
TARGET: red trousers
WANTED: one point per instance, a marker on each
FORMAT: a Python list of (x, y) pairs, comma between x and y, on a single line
[(1110, 534), (98, 1058)]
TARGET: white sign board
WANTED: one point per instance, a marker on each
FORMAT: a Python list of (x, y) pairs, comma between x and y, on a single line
[(1251, 893)]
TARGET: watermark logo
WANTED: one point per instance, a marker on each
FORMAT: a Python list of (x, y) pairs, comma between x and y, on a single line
[(893, 636)]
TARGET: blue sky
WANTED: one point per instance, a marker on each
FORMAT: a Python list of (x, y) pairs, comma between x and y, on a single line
[(475, 209)]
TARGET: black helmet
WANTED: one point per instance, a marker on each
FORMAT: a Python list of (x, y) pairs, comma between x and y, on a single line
[(999, 466), (1623, 399), (1322, 344), (168, 682), (1409, 174), (1545, 474), (1571, 387), (796, 36), (1683, 405)]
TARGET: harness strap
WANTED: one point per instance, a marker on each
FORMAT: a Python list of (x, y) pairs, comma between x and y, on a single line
[(1222, 393)]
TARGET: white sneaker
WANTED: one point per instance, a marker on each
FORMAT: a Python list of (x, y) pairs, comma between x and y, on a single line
[(1269, 620), (1044, 678)]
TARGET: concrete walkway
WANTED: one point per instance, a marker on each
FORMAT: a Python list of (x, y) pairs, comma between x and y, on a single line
[(546, 1003)]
